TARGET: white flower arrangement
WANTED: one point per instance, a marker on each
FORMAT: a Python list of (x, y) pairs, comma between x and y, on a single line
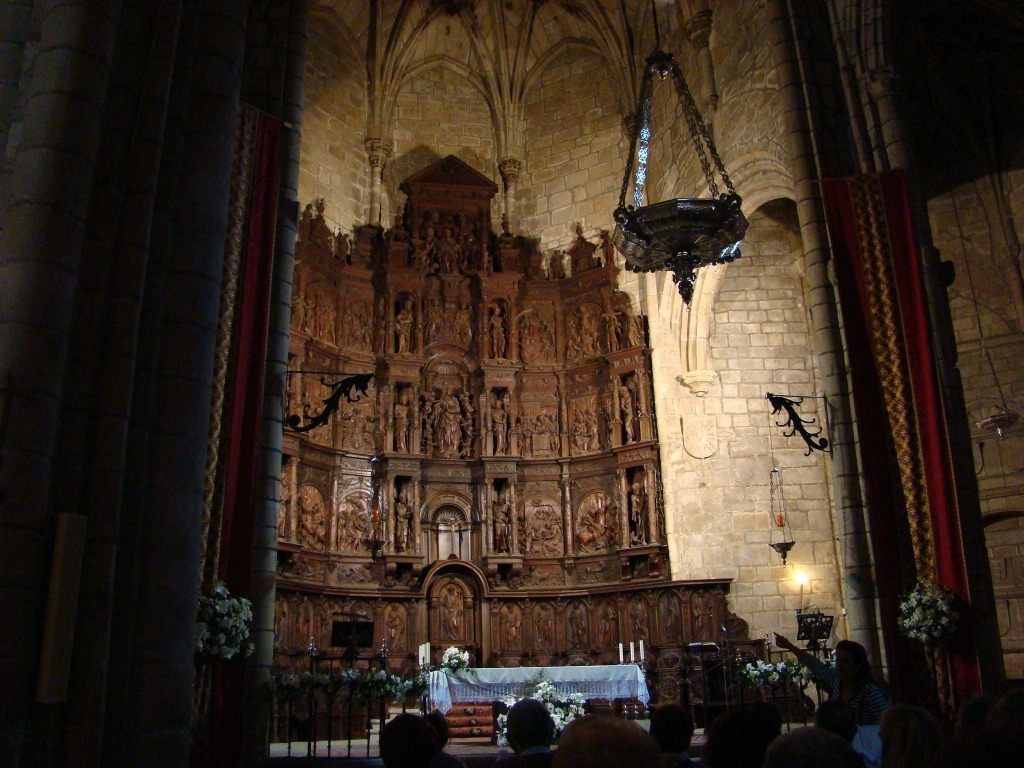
[(454, 659), (563, 707), (926, 614), (784, 672), (222, 626)]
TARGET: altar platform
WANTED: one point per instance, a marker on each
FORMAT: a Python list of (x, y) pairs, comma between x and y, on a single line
[(489, 684)]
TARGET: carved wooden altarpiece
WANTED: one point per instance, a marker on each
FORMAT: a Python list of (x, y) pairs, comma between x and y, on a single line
[(513, 407)]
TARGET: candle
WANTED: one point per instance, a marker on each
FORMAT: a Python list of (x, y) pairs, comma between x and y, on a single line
[(632, 656), (801, 603), (621, 659), (641, 650)]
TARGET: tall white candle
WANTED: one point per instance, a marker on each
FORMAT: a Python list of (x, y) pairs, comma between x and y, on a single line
[(621, 658), (641, 650), (632, 656)]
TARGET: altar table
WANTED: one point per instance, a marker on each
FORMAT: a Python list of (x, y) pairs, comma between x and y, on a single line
[(486, 684)]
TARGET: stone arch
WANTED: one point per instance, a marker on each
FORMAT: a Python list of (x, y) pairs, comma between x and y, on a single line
[(449, 530)]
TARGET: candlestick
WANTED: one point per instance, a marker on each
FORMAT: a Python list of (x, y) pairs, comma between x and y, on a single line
[(632, 657)]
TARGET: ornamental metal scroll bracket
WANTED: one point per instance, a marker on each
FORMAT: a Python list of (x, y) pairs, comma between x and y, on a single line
[(352, 388), (796, 423)]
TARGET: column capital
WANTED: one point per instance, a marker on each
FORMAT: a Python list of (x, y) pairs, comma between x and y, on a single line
[(378, 151), (509, 168)]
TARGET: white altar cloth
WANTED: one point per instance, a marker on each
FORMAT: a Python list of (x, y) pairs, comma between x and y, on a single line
[(613, 681)]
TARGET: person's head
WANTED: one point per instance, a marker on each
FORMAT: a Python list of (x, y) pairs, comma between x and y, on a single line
[(1007, 710), (972, 714), (529, 724), (811, 748), (852, 663), (739, 737), (911, 736), (407, 741), (837, 716), (671, 727), (440, 725), (601, 741)]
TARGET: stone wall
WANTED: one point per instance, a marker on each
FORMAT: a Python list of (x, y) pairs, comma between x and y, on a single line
[(333, 163), (576, 151)]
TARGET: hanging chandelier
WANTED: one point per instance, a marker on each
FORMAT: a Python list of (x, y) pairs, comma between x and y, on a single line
[(780, 536), (684, 234)]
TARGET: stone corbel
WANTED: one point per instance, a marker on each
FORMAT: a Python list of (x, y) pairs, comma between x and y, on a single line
[(698, 375)]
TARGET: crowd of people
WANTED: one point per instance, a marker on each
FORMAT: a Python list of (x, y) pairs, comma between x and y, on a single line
[(856, 728)]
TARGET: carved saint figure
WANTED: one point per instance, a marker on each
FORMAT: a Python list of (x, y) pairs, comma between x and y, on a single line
[(543, 626), (403, 327), (403, 521), (512, 619), (402, 421), (497, 334), (451, 613), (464, 324), (447, 419), (608, 620), (577, 626), (502, 513), (628, 413), (637, 510), (638, 620), (396, 628), (499, 426)]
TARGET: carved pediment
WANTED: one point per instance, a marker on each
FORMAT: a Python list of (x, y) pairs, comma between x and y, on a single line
[(449, 172)]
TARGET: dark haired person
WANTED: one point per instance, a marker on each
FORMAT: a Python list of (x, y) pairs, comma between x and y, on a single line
[(530, 730), (849, 680), (672, 728)]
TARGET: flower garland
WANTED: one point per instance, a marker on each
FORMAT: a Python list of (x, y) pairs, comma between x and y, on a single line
[(563, 707), (455, 660), (222, 626), (926, 614), (784, 672)]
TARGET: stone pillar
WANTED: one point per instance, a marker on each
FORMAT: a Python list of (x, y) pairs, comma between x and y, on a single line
[(698, 32), (858, 581), (509, 168), (378, 151)]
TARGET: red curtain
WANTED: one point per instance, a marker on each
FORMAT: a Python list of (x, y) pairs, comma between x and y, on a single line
[(915, 527), (243, 415)]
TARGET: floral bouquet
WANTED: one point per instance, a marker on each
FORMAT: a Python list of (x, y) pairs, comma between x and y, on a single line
[(926, 614), (285, 686), (222, 626), (455, 660), (563, 707), (784, 672)]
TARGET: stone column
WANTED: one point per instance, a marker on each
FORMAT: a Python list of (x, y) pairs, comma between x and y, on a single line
[(858, 581), (509, 168), (378, 151), (698, 31)]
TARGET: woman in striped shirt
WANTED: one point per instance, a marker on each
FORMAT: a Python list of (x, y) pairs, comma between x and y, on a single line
[(849, 680)]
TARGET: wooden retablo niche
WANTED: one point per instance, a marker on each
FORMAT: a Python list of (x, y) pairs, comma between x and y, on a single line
[(512, 404)]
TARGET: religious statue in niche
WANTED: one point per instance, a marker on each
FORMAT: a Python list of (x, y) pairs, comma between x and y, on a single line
[(312, 521), (350, 526), (543, 624), (638, 620), (702, 609), (497, 333), (451, 613), (403, 421), (404, 534), (670, 618), (501, 513), (448, 424), (499, 423), (585, 436), (577, 626), (284, 510), (637, 511), (629, 415), (608, 622), (595, 529), (511, 624), (542, 529), (327, 314), (464, 324), (355, 325), (434, 321), (536, 338), (395, 628), (404, 323), (584, 332)]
